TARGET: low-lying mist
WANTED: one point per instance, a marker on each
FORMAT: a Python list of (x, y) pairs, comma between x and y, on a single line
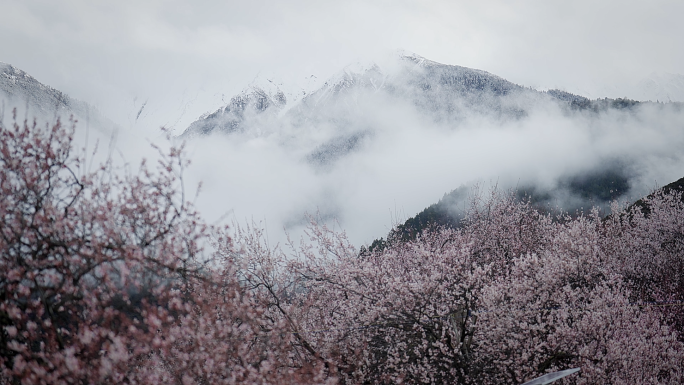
[(379, 160)]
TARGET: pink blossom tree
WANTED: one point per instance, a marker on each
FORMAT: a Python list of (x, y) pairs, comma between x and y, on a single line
[(511, 296), (646, 243)]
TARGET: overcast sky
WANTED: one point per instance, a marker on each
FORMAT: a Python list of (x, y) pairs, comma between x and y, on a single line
[(185, 58)]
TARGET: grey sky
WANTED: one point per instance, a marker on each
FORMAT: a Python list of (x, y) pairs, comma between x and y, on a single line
[(185, 57)]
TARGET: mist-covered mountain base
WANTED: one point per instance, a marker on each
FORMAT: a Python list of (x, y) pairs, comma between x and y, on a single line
[(379, 142)]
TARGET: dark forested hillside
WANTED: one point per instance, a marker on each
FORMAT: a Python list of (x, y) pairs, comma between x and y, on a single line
[(596, 188)]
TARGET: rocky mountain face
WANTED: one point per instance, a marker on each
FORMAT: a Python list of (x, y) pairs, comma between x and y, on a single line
[(254, 103), (450, 92)]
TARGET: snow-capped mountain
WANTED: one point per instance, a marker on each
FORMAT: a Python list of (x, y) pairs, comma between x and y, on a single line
[(444, 92), (350, 107), (33, 99), (263, 99), (440, 92)]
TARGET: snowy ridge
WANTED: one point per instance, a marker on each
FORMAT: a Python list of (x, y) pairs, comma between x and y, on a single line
[(18, 87), (34, 99), (366, 76), (263, 97), (430, 86)]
